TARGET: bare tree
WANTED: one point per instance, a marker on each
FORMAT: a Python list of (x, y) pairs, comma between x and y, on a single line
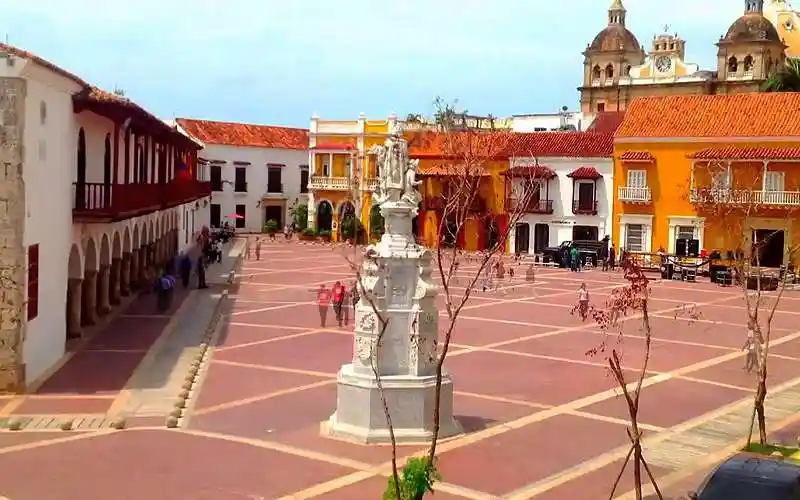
[(468, 158), (733, 197), (630, 299)]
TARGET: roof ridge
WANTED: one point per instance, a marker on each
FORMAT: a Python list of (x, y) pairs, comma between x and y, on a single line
[(228, 122)]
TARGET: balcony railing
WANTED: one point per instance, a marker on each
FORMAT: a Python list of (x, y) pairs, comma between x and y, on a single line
[(371, 184), (584, 207), (319, 182), (634, 194), (530, 206), (745, 197), (99, 201)]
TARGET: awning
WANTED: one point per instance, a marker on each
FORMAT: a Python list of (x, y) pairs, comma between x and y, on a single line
[(637, 156), (531, 171), (585, 173), (755, 154)]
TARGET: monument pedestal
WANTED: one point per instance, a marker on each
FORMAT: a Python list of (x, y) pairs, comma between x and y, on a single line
[(360, 415), (396, 326)]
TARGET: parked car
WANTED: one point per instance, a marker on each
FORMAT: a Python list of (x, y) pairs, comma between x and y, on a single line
[(588, 251), (747, 476)]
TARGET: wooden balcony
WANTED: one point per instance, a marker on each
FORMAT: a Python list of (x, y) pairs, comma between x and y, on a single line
[(532, 206), (584, 207), (99, 202), (632, 194), (745, 197)]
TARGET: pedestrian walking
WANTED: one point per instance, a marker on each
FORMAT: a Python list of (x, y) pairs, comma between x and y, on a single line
[(323, 300), (247, 249), (338, 300), (186, 269), (258, 249), (583, 302), (612, 255), (750, 347), (603, 256), (355, 297), (201, 271), (573, 259)]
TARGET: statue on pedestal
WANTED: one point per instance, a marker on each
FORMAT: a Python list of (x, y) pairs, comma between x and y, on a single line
[(397, 291)]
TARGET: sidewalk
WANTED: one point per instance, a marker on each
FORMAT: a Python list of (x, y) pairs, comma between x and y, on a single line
[(119, 371)]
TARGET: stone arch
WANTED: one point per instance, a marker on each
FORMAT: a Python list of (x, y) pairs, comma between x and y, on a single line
[(136, 237), (596, 72), (748, 63), (105, 250), (116, 246), (90, 256), (127, 244), (733, 64), (158, 227), (609, 71), (75, 262), (149, 236), (346, 207), (324, 215)]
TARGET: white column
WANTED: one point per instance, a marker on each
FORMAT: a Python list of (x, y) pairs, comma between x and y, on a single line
[(671, 236), (330, 165)]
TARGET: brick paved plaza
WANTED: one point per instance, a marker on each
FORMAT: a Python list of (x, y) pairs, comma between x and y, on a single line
[(543, 420)]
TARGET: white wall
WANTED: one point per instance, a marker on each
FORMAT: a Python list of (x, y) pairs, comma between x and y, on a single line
[(548, 121), (258, 158), (49, 142), (562, 221)]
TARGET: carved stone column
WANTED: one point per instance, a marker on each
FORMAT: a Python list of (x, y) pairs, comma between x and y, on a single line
[(74, 305), (114, 290), (143, 265), (103, 291), (125, 275), (89, 316), (133, 274)]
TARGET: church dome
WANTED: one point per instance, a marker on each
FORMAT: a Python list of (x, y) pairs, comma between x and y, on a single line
[(752, 27), (615, 37)]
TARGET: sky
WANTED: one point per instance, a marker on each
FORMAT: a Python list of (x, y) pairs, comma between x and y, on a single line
[(279, 62)]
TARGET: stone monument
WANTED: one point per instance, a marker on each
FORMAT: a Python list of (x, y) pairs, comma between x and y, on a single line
[(396, 278)]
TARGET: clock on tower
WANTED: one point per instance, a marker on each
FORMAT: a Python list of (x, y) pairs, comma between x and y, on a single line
[(663, 64)]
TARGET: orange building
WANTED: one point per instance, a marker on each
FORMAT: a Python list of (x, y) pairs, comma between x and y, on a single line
[(721, 169)]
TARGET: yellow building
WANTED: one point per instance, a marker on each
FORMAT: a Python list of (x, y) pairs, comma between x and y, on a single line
[(720, 169), (618, 70), (343, 172), (787, 21)]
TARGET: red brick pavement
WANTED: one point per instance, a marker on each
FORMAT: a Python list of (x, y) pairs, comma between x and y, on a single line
[(253, 429)]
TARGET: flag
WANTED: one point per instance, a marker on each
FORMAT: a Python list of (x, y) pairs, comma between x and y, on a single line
[(184, 168)]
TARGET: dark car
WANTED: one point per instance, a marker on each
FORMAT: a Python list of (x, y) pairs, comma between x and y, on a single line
[(588, 251), (747, 476)]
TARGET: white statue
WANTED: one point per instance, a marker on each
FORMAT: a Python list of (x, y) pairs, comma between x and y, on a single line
[(410, 193)]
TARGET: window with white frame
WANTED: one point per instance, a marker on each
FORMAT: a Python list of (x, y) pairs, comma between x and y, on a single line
[(637, 178), (773, 181), (634, 237), (684, 232)]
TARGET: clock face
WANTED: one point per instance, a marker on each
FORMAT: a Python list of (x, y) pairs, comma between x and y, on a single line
[(663, 63)]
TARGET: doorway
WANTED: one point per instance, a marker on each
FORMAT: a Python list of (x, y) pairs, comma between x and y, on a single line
[(492, 233), (541, 237), (768, 245), (584, 233), (522, 238), (274, 212), (324, 216), (80, 181)]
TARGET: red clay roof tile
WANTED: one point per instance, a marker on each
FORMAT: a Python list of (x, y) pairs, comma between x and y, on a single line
[(24, 54), (244, 134), (531, 171), (733, 153), (607, 122), (585, 173), (504, 145), (636, 156), (769, 114)]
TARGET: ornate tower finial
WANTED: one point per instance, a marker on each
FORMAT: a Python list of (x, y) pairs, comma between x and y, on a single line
[(754, 7), (616, 13)]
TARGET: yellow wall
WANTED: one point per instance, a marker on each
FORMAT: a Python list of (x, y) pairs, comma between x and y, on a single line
[(790, 38), (669, 178)]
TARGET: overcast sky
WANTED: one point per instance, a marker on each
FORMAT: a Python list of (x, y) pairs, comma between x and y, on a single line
[(279, 62)]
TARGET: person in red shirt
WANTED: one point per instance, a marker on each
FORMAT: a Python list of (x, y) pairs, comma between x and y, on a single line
[(323, 300), (338, 299)]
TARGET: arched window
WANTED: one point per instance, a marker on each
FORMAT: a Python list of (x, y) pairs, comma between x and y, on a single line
[(768, 66), (609, 72), (733, 65), (596, 73), (748, 64), (628, 70)]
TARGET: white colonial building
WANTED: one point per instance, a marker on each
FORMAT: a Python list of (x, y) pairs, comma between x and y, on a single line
[(258, 172), (569, 180), (94, 188)]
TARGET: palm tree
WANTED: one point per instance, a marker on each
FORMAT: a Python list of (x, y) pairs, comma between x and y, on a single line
[(786, 79)]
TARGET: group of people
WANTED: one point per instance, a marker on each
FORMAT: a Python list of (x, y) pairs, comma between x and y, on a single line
[(342, 298), (606, 257)]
